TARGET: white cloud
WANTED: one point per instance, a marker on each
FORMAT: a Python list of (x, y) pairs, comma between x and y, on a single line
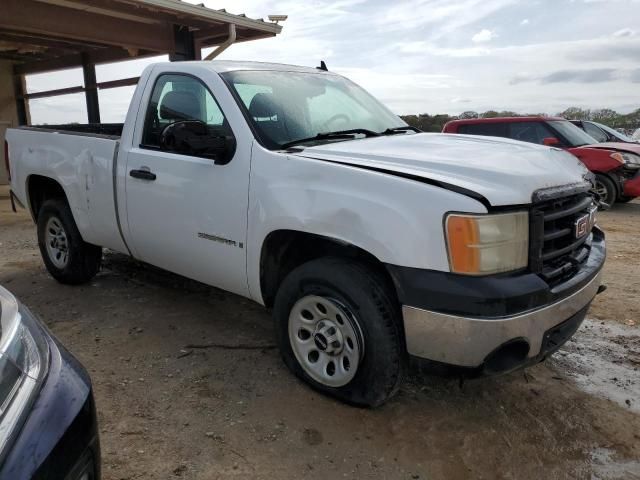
[(624, 32), (435, 19), (421, 48), (417, 57), (483, 36)]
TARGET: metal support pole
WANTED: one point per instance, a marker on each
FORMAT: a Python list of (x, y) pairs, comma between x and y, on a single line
[(184, 42), (21, 102), (91, 90)]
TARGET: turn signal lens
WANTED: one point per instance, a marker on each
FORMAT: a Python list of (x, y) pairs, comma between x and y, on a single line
[(617, 157), (487, 244), (629, 160)]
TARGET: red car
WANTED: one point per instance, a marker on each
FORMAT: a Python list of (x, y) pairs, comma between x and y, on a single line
[(616, 166)]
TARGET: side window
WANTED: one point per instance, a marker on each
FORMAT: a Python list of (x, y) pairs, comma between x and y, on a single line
[(532, 132), (491, 129), (177, 98), (595, 132)]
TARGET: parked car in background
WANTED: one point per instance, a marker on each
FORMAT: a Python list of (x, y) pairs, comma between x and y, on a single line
[(616, 166), (48, 427), (602, 133), (292, 186)]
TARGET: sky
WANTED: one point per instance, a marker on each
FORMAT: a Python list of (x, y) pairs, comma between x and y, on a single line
[(427, 56)]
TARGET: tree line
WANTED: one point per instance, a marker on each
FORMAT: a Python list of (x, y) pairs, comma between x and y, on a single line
[(606, 116)]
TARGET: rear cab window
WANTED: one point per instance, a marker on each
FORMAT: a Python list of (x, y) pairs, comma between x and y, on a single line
[(491, 129), (531, 132), (527, 131)]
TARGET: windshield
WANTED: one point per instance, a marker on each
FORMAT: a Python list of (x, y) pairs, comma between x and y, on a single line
[(288, 106), (575, 136), (615, 133)]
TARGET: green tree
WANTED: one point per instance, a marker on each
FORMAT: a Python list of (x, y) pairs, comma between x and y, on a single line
[(468, 114), (607, 116), (508, 113), (575, 113)]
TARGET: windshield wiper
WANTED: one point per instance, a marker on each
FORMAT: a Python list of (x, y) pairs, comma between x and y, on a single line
[(403, 129), (341, 134)]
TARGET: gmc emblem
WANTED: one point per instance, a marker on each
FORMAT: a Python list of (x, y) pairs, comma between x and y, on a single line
[(582, 225)]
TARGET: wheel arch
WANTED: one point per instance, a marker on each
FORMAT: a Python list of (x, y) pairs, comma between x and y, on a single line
[(283, 250), (615, 178), (39, 189)]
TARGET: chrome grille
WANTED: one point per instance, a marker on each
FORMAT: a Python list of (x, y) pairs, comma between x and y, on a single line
[(560, 238)]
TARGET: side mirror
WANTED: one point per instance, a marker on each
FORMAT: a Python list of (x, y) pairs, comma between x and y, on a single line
[(193, 137), (551, 142)]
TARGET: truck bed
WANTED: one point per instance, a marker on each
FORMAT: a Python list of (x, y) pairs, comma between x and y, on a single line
[(82, 159), (110, 130)]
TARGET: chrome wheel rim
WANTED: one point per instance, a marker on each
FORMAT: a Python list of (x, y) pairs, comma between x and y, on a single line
[(601, 190), (326, 339), (55, 239)]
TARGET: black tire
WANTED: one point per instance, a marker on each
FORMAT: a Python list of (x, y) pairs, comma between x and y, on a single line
[(610, 192), (625, 199), (83, 260), (365, 294)]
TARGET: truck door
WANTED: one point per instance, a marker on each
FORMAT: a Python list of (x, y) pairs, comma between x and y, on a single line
[(185, 212)]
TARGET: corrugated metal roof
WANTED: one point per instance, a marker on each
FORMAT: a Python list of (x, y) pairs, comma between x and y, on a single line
[(206, 12)]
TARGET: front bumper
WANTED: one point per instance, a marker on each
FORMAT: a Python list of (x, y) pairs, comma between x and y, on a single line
[(493, 325), (631, 186), (470, 342)]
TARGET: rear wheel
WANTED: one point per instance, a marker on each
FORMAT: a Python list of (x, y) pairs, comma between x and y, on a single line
[(339, 329), (606, 189), (68, 258)]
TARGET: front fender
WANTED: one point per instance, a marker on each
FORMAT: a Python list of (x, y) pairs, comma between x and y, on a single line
[(397, 220), (596, 159)]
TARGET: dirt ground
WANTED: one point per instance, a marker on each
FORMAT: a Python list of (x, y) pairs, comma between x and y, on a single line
[(171, 411)]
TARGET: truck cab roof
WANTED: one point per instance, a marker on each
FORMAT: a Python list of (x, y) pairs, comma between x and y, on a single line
[(222, 66)]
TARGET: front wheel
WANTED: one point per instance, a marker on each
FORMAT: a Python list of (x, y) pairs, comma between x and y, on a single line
[(606, 189), (68, 258), (339, 329)]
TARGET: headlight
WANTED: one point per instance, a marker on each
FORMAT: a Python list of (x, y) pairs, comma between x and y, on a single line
[(24, 356), (630, 160), (486, 244)]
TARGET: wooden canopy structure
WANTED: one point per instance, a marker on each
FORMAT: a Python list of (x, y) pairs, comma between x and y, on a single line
[(38, 36)]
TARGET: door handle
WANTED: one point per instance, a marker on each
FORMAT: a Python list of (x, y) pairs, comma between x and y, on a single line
[(143, 174)]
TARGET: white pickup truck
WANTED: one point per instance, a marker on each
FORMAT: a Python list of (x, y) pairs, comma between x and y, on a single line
[(372, 242)]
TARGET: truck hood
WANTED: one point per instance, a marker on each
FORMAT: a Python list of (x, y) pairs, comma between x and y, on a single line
[(503, 171)]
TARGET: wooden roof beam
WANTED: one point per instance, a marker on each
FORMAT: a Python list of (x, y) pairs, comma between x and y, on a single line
[(50, 45), (49, 40), (137, 11), (75, 60), (79, 25)]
